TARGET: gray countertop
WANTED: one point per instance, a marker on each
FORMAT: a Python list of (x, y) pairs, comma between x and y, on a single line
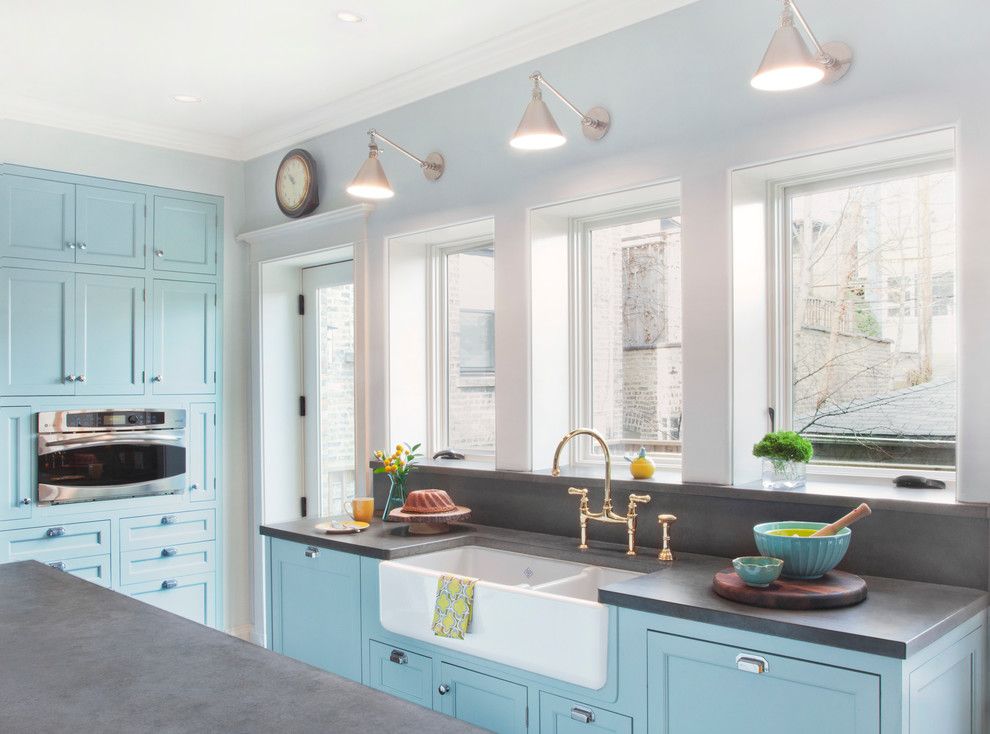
[(898, 618), (77, 657)]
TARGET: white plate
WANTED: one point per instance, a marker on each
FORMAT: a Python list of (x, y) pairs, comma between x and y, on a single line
[(345, 526)]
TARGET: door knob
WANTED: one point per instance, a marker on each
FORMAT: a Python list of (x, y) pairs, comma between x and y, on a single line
[(70, 378), (156, 378), (81, 245), (26, 501), (81, 378), (159, 253), (71, 245), (443, 689)]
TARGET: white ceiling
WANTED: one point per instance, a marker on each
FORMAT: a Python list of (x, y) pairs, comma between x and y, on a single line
[(270, 73)]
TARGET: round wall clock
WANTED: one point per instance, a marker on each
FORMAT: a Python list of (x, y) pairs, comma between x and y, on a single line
[(296, 190)]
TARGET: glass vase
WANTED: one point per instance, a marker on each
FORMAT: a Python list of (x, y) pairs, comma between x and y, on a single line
[(783, 474), (396, 496)]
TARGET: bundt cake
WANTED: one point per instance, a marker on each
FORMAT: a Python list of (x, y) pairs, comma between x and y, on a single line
[(428, 502)]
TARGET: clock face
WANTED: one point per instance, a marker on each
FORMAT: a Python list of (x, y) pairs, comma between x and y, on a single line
[(295, 187)]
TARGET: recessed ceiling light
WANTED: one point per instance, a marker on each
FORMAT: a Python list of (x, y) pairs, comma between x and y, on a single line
[(347, 16), (186, 98)]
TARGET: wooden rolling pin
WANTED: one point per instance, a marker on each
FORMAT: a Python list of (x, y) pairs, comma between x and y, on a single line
[(858, 514)]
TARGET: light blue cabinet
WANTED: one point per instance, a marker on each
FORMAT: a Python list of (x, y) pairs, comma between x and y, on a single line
[(401, 673), (37, 332), (192, 597), (185, 236), (91, 568), (55, 542), (16, 457), (316, 607), (563, 716), (698, 687), (37, 219), (110, 227), (483, 700), (202, 465), (185, 357), (109, 335)]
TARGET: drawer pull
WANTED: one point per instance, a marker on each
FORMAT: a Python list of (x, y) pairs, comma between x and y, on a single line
[(55, 532), (58, 565), (169, 584), (585, 716), (312, 552), (752, 664), (398, 657), (443, 689), (169, 552), (169, 520)]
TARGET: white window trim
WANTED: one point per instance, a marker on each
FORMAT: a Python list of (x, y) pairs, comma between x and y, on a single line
[(579, 277), (779, 357), (437, 360)]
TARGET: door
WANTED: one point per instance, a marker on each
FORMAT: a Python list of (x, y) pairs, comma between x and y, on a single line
[(483, 700), (110, 227), (202, 452), (328, 371), (15, 469), (185, 349), (37, 219), (37, 332), (685, 676), (316, 607), (109, 352), (185, 236)]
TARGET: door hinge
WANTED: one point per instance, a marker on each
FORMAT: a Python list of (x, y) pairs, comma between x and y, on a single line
[(527, 717), (302, 405), (144, 295), (302, 305), (214, 377), (302, 506), (216, 302), (142, 377)]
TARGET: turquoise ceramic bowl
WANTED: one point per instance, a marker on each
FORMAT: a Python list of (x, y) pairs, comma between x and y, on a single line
[(758, 570), (804, 557)]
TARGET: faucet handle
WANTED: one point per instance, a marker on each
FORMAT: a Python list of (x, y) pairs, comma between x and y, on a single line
[(636, 499), (578, 491)]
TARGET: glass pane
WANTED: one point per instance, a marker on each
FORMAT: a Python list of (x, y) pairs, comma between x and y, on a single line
[(873, 321), (336, 343), (471, 350), (635, 344)]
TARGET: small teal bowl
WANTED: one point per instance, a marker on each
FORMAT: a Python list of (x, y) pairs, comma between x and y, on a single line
[(758, 571), (804, 557)]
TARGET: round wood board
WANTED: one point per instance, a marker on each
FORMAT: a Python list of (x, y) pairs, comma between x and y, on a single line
[(834, 589), (423, 524)]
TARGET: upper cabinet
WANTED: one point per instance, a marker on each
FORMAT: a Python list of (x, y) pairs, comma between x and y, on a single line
[(109, 353), (185, 341), (64, 222), (185, 236)]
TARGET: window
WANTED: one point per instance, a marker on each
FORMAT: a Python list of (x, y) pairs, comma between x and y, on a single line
[(465, 348), (866, 329), (627, 345)]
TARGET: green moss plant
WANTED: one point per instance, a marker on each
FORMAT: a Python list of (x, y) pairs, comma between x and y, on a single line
[(784, 446)]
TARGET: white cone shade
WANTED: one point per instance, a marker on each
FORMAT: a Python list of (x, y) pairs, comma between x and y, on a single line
[(370, 182), (537, 130), (788, 63)]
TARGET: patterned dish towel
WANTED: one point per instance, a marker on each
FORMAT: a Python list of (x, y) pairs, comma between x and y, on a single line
[(455, 601)]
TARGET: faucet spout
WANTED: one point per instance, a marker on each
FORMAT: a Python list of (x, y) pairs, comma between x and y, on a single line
[(555, 468)]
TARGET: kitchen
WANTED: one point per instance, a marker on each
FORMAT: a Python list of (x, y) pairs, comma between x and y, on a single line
[(155, 249)]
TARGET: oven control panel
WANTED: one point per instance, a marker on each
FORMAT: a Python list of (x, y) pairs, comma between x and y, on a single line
[(109, 420)]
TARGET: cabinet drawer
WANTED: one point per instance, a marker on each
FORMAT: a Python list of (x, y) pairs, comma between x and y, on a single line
[(401, 673), (192, 597), (562, 716), (91, 568), (56, 542), (168, 561), (166, 529)]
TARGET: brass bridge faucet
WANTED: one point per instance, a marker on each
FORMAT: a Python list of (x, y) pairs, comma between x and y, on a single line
[(607, 514)]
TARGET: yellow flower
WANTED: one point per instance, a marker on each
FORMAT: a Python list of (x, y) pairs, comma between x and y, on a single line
[(380, 454), (398, 447)]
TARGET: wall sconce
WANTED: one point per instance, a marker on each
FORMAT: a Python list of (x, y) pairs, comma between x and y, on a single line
[(538, 130), (371, 182), (790, 64)]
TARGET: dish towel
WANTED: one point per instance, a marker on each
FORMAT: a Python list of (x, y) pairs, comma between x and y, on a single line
[(455, 602)]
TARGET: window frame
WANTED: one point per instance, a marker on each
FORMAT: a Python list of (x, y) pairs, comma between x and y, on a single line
[(580, 337), (438, 361), (779, 284)]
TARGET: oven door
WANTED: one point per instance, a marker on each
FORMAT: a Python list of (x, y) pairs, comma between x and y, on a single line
[(82, 467)]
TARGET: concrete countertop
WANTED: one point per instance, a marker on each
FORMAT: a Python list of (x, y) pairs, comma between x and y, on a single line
[(897, 619), (78, 657)]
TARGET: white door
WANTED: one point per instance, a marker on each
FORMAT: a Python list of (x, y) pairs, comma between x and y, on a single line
[(332, 475)]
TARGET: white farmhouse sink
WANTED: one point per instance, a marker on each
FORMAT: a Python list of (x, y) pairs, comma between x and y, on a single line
[(533, 613)]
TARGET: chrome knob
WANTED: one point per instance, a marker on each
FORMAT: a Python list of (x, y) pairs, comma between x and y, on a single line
[(70, 378), (26, 501), (156, 378), (169, 584), (169, 552), (81, 245), (71, 245), (159, 253), (58, 565), (443, 689), (81, 378), (55, 532), (311, 552), (169, 520), (193, 487)]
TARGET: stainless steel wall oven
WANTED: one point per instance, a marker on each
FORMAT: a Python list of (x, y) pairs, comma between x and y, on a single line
[(87, 455)]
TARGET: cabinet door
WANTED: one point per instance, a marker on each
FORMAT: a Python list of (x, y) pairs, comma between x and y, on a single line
[(56, 542), (202, 463), (192, 597), (483, 700), (185, 350), (316, 607), (37, 332), (560, 716), (15, 470), (109, 354), (401, 673), (687, 676), (37, 219), (185, 236), (110, 227)]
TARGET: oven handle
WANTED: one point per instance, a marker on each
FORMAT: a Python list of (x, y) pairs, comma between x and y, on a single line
[(104, 439)]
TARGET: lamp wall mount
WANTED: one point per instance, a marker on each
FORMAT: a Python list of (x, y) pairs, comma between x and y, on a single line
[(432, 166), (835, 57), (595, 123)]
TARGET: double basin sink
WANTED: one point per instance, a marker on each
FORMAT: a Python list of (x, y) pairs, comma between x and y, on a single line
[(533, 613)]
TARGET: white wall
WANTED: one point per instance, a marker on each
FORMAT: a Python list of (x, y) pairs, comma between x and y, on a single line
[(90, 155)]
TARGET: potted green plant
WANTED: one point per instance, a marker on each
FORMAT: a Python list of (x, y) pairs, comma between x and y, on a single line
[(397, 466), (785, 457)]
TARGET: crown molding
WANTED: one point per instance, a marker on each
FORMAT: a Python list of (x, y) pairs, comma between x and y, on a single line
[(316, 228)]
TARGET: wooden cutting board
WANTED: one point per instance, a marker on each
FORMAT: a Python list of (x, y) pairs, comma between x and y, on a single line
[(834, 589)]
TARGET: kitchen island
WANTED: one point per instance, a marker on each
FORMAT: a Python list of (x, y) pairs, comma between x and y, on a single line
[(77, 657)]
